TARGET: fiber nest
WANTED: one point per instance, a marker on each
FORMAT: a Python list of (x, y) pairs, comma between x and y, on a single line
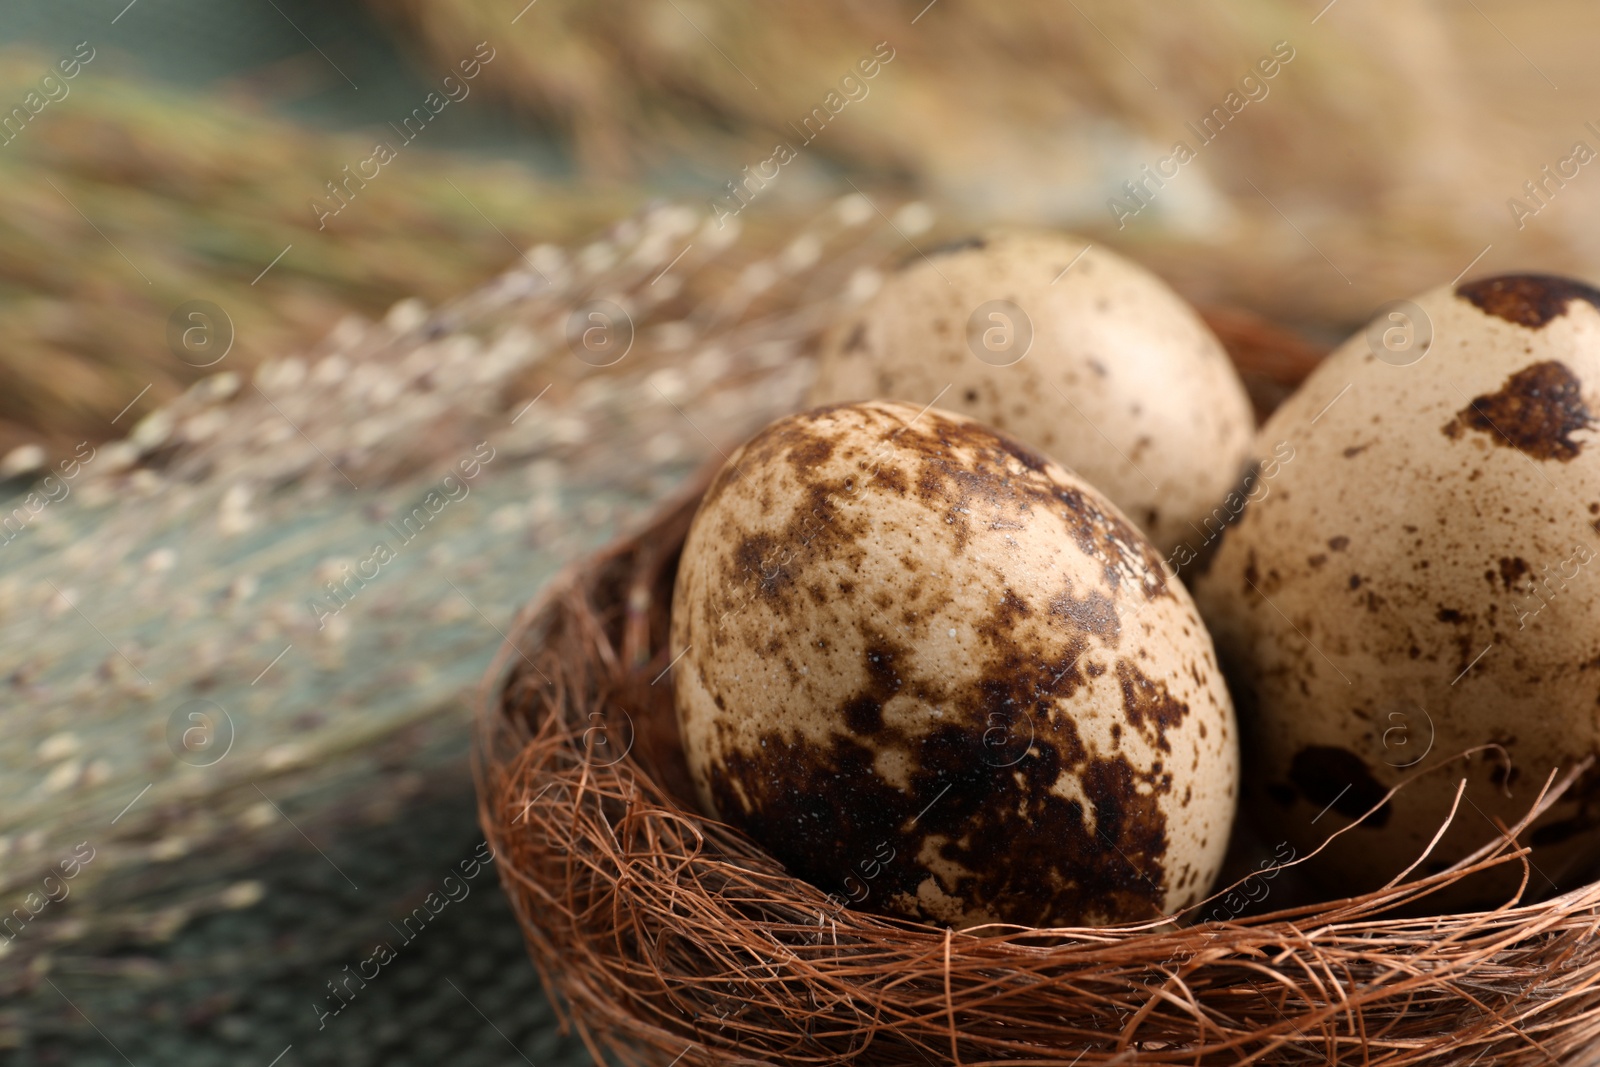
[(667, 937)]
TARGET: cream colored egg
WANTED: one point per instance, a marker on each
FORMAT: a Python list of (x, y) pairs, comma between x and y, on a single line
[(1075, 350), (940, 676), (1421, 577)]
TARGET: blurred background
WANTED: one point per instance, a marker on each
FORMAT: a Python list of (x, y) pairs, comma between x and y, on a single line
[(271, 270)]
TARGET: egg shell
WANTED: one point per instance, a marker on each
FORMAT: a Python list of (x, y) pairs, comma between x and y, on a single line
[(1075, 350), (938, 675), (1419, 578)]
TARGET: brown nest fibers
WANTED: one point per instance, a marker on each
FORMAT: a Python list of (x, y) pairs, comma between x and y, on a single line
[(666, 937)]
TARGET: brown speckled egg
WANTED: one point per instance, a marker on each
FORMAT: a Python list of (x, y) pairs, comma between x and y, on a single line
[(938, 675), (1085, 356), (1421, 577)]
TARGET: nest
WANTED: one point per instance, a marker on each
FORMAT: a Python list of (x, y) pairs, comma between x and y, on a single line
[(666, 937)]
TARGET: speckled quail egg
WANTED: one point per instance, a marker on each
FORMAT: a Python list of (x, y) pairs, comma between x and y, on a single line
[(1071, 348), (940, 676), (1420, 578)]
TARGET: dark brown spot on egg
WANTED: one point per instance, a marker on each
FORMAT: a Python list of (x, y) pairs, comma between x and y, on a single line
[(1335, 776), (1339, 544), (1514, 570), (1011, 608), (863, 715), (1023, 454), (892, 478), (1536, 411), (797, 442), (1017, 675), (757, 555), (811, 453), (1530, 300), (970, 471), (1122, 551), (1149, 706), (881, 667), (1024, 851)]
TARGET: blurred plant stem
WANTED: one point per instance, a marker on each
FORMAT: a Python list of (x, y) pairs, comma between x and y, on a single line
[(124, 200)]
